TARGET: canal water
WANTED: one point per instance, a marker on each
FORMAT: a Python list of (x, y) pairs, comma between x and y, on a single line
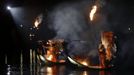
[(60, 70), (63, 69)]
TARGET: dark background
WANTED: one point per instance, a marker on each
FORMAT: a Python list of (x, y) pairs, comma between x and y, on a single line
[(12, 41)]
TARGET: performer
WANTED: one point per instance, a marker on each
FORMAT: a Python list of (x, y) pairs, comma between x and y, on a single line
[(102, 55)]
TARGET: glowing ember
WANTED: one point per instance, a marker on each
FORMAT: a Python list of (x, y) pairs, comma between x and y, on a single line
[(84, 63), (93, 11)]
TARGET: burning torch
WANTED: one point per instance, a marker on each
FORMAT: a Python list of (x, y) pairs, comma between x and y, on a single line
[(92, 13), (38, 21)]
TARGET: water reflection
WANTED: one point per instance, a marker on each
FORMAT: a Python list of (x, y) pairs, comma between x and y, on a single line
[(64, 70), (78, 73), (104, 72), (60, 70), (52, 70), (85, 73)]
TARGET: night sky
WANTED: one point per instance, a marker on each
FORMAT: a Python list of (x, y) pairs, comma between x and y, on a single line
[(66, 19)]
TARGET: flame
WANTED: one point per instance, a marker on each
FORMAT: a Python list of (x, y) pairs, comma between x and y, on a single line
[(36, 23), (38, 20), (50, 57), (107, 41), (93, 11), (84, 63)]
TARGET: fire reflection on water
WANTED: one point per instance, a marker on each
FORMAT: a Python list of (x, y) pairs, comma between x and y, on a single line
[(50, 70), (62, 70), (85, 73), (53, 70), (103, 72), (59, 70)]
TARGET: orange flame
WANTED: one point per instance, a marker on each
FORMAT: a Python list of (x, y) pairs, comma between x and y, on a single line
[(50, 57), (36, 23), (107, 41), (93, 11), (38, 20), (84, 63)]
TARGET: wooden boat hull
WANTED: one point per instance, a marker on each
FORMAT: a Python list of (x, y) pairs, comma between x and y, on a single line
[(74, 62), (44, 61)]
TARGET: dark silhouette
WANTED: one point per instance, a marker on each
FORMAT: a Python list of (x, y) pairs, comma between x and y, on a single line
[(10, 39)]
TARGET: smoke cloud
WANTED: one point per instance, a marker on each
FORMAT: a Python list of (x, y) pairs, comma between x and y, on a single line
[(70, 23)]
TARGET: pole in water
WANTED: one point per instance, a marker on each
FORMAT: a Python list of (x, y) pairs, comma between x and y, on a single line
[(21, 59), (31, 55), (34, 57), (5, 59), (21, 63), (34, 63)]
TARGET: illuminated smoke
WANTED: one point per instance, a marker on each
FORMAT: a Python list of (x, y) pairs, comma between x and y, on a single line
[(70, 23)]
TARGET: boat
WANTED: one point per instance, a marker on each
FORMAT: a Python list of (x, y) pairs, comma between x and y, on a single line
[(78, 64), (53, 53), (44, 61), (107, 53)]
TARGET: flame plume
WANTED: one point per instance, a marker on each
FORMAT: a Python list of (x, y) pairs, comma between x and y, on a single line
[(93, 11), (84, 63), (38, 20), (36, 23)]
